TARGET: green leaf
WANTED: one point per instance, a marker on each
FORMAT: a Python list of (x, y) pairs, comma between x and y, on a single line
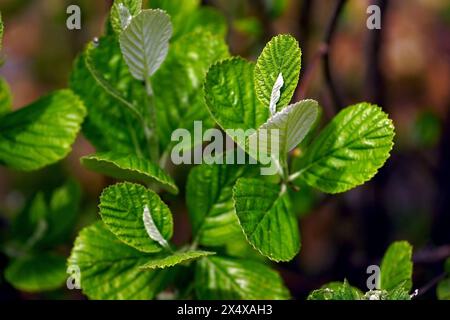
[(62, 212), (282, 55), (230, 95), (189, 58), (48, 222), (29, 225), (336, 291), (176, 8), (110, 126), (205, 19), (187, 17), (232, 279), (110, 269), (266, 216), (36, 273), (399, 293), (210, 203), (443, 289), (121, 10), (396, 267), (292, 124), (161, 262), (122, 207), (5, 97), (41, 133), (129, 167), (349, 151), (145, 42)]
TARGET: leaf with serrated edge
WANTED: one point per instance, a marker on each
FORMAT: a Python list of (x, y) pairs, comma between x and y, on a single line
[(109, 126), (189, 58), (41, 133), (396, 267), (210, 202), (129, 167), (292, 124), (145, 42), (349, 151), (110, 268), (336, 291), (174, 259), (230, 95), (121, 208), (118, 9), (220, 278), (281, 55), (266, 217)]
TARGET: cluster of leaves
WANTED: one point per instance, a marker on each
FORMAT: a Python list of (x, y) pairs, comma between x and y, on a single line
[(160, 69), (128, 72), (31, 138), (394, 282), (37, 232)]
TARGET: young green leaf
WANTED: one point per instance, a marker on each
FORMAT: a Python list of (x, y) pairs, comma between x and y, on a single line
[(210, 203), (122, 11), (443, 289), (188, 16), (266, 217), (230, 95), (110, 269), (5, 97), (152, 229), (172, 259), (122, 207), (292, 124), (204, 19), (41, 133), (37, 273), (349, 151), (61, 213), (230, 279), (189, 58), (281, 56), (336, 291), (110, 126), (129, 167), (397, 267), (145, 42)]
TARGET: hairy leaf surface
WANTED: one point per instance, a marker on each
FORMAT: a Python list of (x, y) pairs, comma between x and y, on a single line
[(349, 151), (231, 279), (122, 207), (145, 42), (41, 133), (110, 268), (281, 55), (266, 216)]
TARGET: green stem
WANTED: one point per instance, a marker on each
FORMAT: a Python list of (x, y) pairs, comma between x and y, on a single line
[(150, 131)]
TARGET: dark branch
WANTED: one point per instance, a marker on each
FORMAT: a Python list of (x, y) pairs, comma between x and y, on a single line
[(329, 34), (374, 77)]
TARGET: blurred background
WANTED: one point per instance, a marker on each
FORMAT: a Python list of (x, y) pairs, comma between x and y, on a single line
[(404, 67)]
